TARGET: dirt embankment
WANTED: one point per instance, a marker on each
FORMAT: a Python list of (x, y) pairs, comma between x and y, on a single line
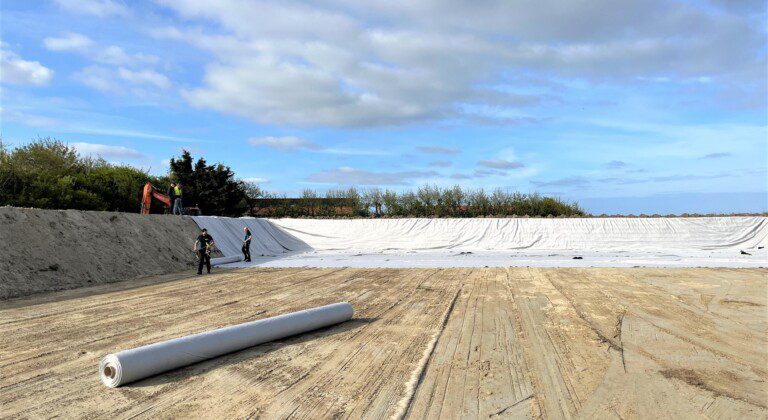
[(45, 250)]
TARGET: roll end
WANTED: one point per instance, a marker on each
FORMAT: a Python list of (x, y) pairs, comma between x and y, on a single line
[(110, 371)]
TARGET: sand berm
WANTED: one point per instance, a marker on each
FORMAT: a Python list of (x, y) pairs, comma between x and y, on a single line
[(47, 250)]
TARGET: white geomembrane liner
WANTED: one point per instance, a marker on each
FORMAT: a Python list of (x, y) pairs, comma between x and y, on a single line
[(497, 242), (131, 365)]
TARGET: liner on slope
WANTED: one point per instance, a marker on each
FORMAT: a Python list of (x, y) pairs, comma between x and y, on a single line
[(267, 238), (588, 234)]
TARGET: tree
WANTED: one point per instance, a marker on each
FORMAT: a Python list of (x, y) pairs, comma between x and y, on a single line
[(212, 188)]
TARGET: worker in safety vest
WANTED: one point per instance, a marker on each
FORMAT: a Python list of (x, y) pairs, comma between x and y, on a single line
[(177, 207)]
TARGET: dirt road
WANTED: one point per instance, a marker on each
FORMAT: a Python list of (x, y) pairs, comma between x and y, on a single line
[(424, 343)]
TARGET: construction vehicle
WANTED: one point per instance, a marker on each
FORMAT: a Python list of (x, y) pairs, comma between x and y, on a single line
[(151, 192)]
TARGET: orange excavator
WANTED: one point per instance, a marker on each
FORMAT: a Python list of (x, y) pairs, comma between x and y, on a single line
[(151, 192)]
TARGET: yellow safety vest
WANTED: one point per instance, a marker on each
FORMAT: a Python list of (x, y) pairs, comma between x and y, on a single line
[(177, 191)]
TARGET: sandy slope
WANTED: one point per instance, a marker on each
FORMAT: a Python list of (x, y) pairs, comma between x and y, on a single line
[(46, 250), (424, 343)]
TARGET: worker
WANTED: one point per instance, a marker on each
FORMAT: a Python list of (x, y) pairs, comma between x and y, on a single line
[(247, 244), (177, 206), (172, 194), (203, 247)]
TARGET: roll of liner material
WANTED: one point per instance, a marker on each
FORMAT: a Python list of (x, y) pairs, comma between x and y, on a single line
[(134, 364)]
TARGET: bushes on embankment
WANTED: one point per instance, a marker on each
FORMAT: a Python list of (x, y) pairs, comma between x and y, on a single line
[(49, 174)]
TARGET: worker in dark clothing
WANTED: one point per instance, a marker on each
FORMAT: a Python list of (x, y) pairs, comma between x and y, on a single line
[(172, 193), (203, 247), (247, 244)]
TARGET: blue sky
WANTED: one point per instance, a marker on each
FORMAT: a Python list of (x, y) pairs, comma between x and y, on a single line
[(654, 106)]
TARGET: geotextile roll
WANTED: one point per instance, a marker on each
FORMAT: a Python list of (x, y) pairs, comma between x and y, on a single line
[(141, 362), (226, 260)]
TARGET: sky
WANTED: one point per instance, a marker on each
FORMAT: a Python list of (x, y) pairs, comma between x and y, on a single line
[(653, 106)]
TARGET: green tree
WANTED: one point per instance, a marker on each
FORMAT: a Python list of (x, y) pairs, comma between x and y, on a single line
[(212, 188)]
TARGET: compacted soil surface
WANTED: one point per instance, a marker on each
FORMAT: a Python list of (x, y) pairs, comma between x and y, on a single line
[(424, 343)]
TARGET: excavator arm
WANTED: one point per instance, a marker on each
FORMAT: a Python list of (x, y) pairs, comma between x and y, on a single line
[(151, 192)]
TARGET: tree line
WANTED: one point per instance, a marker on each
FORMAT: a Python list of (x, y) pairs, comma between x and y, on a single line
[(48, 173), (426, 201)]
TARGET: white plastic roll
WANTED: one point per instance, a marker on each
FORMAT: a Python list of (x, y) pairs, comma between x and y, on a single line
[(226, 260), (131, 365)]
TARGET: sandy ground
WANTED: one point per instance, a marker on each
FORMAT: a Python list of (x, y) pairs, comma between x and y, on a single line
[(45, 250), (424, 343)]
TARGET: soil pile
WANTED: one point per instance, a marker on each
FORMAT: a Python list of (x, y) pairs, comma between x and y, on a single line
[(45, 250)]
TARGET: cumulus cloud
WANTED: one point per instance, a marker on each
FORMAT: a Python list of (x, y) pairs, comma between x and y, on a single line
[(117, 56), (100, 8), (110, 54), (501, 164), (144, 77), (352, 176), (68, 42), (344, 63), (438, 150), (286, 144), (103, 150), (17, 71)]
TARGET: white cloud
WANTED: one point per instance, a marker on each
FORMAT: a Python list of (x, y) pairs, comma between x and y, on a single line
[(17, 71), (98, 78), (144, 77), (256, 180), (100, 8), (111, 54), (143, 83), (343, 63), (117, 56), (105, 151), (69, 42), (286, 144)]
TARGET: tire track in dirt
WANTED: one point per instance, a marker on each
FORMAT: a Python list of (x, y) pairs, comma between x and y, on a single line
[(427, 343)]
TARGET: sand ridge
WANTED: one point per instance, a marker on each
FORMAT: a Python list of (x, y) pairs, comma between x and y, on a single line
[(45, 250)]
